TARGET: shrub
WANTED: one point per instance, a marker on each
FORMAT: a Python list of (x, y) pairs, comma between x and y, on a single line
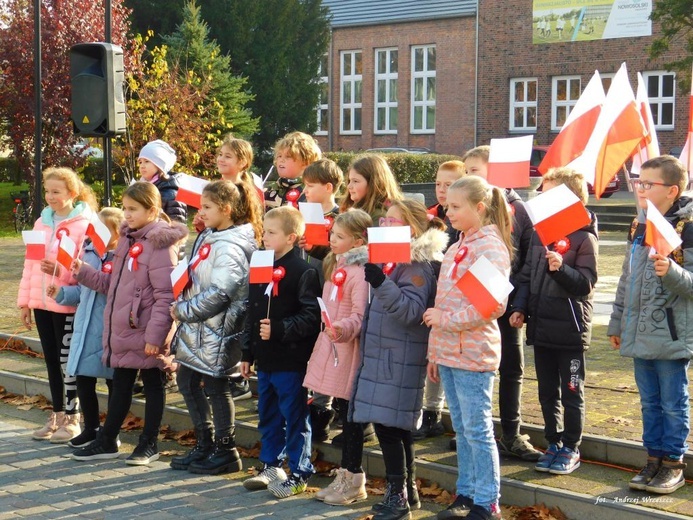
[(9, 170), (93, 172)]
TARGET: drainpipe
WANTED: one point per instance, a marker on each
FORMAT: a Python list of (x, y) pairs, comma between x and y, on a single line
[(330, 79), (476, 76)]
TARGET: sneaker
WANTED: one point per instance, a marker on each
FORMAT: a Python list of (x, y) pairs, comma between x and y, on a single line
[(294, 485), (518, 446), (545, 460), (101, 448), (84, 439), (642, 479), (669, 478), (240, 390), (566, 461), (458, 509), (68, 430), (55, 419), (353, 489), (482, 513), (264, 478), (171, 384), (146, 451)]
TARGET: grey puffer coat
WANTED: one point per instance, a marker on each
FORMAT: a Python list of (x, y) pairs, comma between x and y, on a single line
[(212, 310), (388, 388)]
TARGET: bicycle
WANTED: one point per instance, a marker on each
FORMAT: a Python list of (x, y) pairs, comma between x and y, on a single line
[(22, 210)]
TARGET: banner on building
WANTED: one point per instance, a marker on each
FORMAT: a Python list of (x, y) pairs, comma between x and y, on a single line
[(555, 21)]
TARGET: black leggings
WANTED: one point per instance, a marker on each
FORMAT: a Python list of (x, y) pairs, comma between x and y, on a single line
[(55, 332), (352, 449), (89, 401), (397, 446)]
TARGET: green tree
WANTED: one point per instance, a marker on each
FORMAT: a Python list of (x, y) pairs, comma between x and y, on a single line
[(676, 21), (158, 16)]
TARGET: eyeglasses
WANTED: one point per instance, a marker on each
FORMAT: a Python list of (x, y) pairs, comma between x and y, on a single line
[(647, 185), (390, 221)]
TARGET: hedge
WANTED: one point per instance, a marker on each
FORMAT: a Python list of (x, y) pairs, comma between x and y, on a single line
[(9, 170)]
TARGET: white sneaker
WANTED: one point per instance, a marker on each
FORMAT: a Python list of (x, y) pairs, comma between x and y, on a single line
[(54, 422), (263, 479), (68, 430)]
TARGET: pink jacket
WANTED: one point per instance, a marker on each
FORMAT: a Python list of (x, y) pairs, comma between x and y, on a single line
[(326, 373), (32, 288), (465, 339), (137, 306)]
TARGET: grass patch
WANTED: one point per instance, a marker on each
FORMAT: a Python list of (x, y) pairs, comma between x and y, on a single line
[(6, 206)]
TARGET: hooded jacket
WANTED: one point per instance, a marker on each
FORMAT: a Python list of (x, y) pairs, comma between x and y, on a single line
[(522, 230), (558, 304), (654, 315), (212, 310), (332, 366), (137, 306), (168, 188), (388, 388)]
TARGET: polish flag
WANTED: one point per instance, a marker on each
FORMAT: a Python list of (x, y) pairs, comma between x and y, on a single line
[(190, 189), (325, 315), (180, 277), (484, 286), (316, 230), (508, 162), (35, 244), (261, 266), (686, 156), (659, 233), (67, 250), (571, 141), (649, 146), (389, 244), (100, 235), (556, 213)]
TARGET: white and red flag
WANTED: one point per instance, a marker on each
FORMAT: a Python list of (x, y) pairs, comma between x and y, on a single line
[(660, 235), (316, 228), (686, 156), (325, 315), (35, 242), (575, 133), (67, 250), (484, 286), (180, 277), (190, 189), (508, 162), (556, 213), (389, 244), (261, 266), (649, 146), (100, 235)]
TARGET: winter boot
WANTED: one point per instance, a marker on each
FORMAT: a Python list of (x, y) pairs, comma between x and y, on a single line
[(145, 452), (203, 449), (412, 491), (336, 484), (642, 479), (353, 489), (68, 430), (431, 426), (320, 418), (224, 459), (669, 478), (396, 506)]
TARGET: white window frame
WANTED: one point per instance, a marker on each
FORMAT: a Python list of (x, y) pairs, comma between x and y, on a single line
[(522, 104), (353, 79), (387, 77), (567, 103), (661, 100), (323, 79), (425, 103)]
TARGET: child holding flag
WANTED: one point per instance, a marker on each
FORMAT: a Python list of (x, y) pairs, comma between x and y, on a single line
[(464, 349), (70, 206), (651, 322), (211, 314), (554, 296), (388, 390), (137, 322)]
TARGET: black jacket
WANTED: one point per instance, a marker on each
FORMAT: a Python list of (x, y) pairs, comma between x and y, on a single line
[(168, 187), (294, 318), (522, 232), (558, 304)]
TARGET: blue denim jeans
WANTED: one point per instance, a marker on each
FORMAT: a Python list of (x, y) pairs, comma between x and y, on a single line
[(469, 397), (284, 420), (663, 387)]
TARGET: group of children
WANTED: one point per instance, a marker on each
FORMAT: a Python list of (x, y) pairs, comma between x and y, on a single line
[(398, 332)]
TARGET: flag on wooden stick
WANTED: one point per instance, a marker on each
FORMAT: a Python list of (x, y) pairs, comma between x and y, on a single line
[(508, 162), (659, 233), (389, 244), (556, 213), (484, 286)]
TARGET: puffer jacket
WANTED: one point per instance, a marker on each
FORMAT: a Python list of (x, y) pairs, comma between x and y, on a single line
[(212, 310), (168, 188), (32, 288), (654, 316), (137, 306), (465, 339), (332, 366), (388, 388), (558, 304), (86, 348)]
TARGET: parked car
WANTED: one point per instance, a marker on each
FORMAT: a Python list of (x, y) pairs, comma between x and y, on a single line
[(538, 153), (84, 149), (401, 149)]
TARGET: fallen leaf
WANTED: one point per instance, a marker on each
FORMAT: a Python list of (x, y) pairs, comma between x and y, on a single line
[(171, 453), (25, 407), (620, 420)]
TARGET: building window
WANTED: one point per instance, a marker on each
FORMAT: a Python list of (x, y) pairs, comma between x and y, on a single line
[(423, 89), (565, 91), (352, 78), (386, 91), (523, 104), (661, 90), (323, 104)]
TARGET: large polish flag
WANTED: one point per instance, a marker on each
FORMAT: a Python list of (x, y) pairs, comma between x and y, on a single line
[(35, 242), (180, 277), (508, 162), (556, 213), (67, 250), (389, 244), (659, 233), (571, 141), (316, 230), (686, 156), (649, 146), (190, 189), (100, 235), (484, 286), (261, 266)]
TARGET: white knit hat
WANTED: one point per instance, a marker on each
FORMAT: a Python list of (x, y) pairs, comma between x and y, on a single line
[(160, 153)]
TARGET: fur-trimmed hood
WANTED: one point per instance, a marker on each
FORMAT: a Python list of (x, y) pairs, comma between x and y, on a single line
[(159, 233), (355, 256), (430, 246), (685, 210)]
